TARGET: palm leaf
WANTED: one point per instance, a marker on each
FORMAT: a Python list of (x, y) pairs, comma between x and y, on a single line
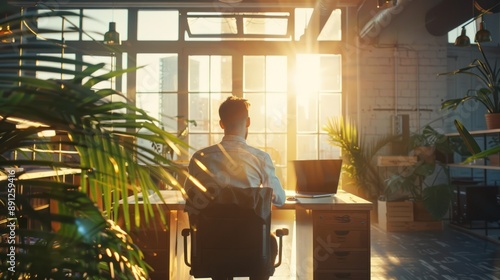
[(78, 240), (469, 141)]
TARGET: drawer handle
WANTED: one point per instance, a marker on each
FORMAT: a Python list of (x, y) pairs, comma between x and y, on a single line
[(344, 275), (341, 232), (342, 254)]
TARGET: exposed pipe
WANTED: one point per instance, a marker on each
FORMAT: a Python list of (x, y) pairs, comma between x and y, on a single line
[(381, 19)]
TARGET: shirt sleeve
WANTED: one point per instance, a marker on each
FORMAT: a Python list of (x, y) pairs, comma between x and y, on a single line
[(272, 181)]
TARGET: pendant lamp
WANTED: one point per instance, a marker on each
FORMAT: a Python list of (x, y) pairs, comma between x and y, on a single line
[(482, 34), (6, 34), (112, 37), (462, 40)]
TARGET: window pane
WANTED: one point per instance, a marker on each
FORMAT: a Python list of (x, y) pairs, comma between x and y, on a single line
[(96, 23), (330, 105), (168, 73), (302, 17), (307, 113), (55, 75), (108, 60), (276, 25), (158, 74), (332, 30), (157, 87), (276, 73), (331, 72), (57, 24), (326, 150), (168, 112), (199, 111), (149, 103), (158, 25), (216, 100), (307, 146), (198, 141), (276, 112), (254, 73), (257, 112), (221, 74), (205, 25), (199, 69)]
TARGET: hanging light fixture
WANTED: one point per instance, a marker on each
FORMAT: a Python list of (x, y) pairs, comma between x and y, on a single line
[(381, 3), (6, 34), (112, 37), (482, 35), (462, 40)]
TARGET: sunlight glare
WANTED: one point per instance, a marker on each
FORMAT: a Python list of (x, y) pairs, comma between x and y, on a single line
[(307, 76)]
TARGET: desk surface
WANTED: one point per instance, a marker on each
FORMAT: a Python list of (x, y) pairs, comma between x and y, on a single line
[(173, 200)]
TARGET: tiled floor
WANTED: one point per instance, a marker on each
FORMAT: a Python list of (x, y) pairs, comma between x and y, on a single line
[(448, 254)]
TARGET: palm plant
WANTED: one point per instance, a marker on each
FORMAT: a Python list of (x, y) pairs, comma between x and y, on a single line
[(77, 239), (359, 155), (489, 94)]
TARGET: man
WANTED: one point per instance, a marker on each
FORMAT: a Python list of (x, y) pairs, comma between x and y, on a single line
[(233, 162)]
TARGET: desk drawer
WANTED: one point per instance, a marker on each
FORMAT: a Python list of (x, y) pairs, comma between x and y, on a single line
[(338, 275), (343, 220), (337, 239), (336, 259)]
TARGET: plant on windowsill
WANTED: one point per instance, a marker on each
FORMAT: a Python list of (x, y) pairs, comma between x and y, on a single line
[(77, 240), (489, 93)]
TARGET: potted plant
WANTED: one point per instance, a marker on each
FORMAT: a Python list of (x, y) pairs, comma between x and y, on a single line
[(489, 93), (77, 239), (359, 156), (426, 182)]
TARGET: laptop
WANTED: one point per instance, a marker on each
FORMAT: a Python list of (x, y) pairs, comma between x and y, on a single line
[(317, 178)]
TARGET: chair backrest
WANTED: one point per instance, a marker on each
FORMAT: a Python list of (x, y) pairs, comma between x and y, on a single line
[(231, 234)]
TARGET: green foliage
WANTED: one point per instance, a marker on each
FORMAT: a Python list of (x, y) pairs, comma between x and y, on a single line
[(427, 179), (78, 240), (489, 78), (358, 154)]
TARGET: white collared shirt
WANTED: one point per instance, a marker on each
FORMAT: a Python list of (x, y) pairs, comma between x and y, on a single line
[(233, 162)]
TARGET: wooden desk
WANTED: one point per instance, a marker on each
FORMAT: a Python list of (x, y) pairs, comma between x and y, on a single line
[(332, 235)]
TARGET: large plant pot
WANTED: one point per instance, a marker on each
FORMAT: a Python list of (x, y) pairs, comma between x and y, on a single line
[(492, 120)]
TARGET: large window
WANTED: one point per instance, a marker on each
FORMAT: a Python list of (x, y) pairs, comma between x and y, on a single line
[(210, 83), (318, 87), (190, 61)]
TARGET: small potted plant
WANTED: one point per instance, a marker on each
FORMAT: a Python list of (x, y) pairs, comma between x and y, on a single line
[(488, 94)]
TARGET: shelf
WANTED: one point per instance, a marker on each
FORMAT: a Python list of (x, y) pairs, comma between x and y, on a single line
[(490, 167), (476, 132)]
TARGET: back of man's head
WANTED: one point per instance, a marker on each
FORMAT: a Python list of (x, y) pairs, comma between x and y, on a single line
[(233, 112)]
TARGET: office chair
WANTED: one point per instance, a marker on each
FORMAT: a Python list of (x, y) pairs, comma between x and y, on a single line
[(230, 235)]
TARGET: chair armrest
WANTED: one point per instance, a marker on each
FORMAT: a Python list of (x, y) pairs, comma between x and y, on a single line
[(280, 233), (185, 233)]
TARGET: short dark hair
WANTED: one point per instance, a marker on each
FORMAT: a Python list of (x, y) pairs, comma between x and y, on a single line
[(233, 111)]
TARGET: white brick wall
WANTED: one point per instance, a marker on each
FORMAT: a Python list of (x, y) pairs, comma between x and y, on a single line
[(400, 80)]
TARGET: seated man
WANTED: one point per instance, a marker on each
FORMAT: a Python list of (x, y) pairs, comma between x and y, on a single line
[(232, 162)]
